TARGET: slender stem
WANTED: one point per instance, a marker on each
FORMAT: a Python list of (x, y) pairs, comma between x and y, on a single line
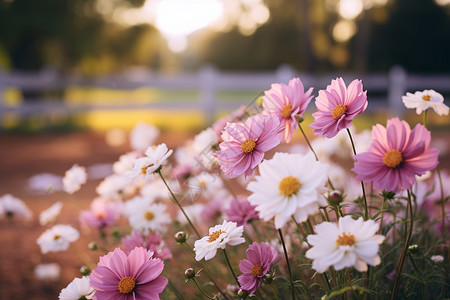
[(231, 269), (200, 289), (288, 264), (207, 271), (327, 218), (179, 205), (425, 118), (175, 290), (349, 278), (304, 234), (403, 254), (382, 215), (442, 206), (274, 288), (307, 141), (366, 212)]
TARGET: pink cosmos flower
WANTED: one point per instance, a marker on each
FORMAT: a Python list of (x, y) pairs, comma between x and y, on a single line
[(152, 242), (236, 115), (287, 102), (337, 106), (257, 264), (103, 213), (244, 144), (396, 155), (122, 277), (241, 212)]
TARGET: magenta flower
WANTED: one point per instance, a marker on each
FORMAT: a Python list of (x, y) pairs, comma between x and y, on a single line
[(337, 106), (103, 213), (241, 212), (152, 242), (244, 144), (287, 102), (122, 277), (396, 155), (257, 264)]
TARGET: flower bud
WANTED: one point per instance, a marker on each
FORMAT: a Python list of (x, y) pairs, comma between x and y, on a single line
[(85, 270), (180, 237), (242, 294), (335, 197), (93, 246), (388, 195), (189, 273), (267, 278), (413, 249)]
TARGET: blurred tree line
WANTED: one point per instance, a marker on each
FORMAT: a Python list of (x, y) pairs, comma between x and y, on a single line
[(74, 35)]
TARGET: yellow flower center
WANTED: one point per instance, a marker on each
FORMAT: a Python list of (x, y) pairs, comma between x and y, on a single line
[(56, 237), (256, 271), (248, 146), (338, 111), (393, 158), (126, 285), (426, 97), (202, 184), (289, 185), (149, 215), (286, 111), (345, 240), (144, 169), (215, 235)]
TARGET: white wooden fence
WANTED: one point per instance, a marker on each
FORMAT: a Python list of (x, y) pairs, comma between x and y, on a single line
[(384, 90)]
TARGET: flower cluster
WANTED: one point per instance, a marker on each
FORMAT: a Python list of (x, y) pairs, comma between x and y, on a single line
[(264, 211)]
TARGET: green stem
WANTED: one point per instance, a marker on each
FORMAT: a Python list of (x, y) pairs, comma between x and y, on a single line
[(405, 248), (200, 289), (425, 118), (175, 290), (287, 263), (231, 269), (327, 218), (179, 205), (207, 271), (382, 215), (442, 206), (275, 291), (366, 212), (307, 141)]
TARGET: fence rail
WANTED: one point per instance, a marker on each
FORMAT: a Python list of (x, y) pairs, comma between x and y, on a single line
[(384, 90)]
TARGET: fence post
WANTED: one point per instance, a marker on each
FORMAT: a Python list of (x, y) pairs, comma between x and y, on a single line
[(284, 73), (207, 77), (397, 87)]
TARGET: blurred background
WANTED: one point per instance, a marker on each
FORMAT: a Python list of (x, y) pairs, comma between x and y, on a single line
[(84, 63)]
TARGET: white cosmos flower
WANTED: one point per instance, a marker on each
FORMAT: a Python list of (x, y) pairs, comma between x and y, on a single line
[(351, 243), (51, 271), (115, 186), (144, 215), (143, 136), (57, 238), (74, 178), (14, 208), (437, 258), (153, 159), (77, 289), (125, 163), (219, 236), (50, 214), (206, 183), (45, 182), (288, 185), (421, 101)]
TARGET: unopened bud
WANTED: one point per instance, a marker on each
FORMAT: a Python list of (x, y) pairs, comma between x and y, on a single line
[(335, 197), (189, 273), (388, 195), (93, 246), (85, 270), (413, 249), (180, 237), (243, 294), (268, 278)]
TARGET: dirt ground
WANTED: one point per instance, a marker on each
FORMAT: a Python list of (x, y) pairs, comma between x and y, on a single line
[(24, 155)]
